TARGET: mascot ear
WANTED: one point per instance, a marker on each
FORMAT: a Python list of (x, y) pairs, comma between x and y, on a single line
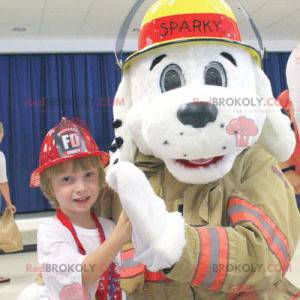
[(123, 147), (277, 135)]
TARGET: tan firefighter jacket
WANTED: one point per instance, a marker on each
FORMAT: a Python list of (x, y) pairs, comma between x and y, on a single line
[(241, 233)]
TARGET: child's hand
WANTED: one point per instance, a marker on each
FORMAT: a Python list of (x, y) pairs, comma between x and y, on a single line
[(124, 228), (12, 208)]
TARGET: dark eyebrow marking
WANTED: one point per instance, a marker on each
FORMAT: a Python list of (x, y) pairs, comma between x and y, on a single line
[(229, 57), (157, 60)]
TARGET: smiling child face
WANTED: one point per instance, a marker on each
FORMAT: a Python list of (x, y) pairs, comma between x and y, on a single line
[(76, 191)]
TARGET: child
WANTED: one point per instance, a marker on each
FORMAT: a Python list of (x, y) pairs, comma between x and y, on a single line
[(76, 249)]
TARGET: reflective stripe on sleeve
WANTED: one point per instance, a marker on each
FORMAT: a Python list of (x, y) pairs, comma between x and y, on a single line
[(240, 211), (130, 268), (212, 266)]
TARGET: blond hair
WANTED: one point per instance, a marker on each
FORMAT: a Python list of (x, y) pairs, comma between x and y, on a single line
[(1, 126), (83, 163)]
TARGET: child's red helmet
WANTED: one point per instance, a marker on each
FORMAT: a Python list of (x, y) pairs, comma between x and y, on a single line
[(64, 142)]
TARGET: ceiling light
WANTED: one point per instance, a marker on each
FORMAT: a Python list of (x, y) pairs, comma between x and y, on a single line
[(19, 29)]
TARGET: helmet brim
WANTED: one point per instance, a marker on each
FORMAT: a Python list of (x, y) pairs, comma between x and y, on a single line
[(35, 176), (138, 54)]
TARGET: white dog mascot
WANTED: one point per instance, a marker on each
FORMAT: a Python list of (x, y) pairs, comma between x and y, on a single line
[(197, 131)]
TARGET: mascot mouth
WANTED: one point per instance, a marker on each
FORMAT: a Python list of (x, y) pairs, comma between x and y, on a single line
[(199, 163)]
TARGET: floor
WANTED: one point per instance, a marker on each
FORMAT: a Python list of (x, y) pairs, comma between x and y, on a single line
[(21, 268)]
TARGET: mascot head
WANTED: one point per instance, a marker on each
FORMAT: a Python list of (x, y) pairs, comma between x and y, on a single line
[(194, 95)]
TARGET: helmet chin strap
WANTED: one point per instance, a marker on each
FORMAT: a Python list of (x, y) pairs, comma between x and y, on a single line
[(120, 41), (124, 30), (253, 26)]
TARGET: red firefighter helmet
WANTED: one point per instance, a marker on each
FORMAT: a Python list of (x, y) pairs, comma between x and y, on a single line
[(64, 142)]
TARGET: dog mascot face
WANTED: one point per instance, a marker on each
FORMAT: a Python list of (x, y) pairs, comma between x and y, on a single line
[(196, 104), (196, 107)]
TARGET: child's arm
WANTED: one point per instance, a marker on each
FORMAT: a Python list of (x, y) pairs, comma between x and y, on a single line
[(97, 262), (4, 187)]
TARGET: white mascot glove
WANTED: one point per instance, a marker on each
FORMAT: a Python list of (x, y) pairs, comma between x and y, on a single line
[(158, 236)]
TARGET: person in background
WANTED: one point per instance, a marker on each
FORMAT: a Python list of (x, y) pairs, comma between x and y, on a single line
[(291, 168), (4, 187), (290, 102)]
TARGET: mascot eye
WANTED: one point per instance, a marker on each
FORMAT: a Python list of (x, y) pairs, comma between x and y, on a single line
[(215, 74), (171, 78)]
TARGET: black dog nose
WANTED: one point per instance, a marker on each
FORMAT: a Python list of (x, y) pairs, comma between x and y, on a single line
[(197, 114)]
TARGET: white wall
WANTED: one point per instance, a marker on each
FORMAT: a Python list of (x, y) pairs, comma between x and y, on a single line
[(96, 45), (61, 45)]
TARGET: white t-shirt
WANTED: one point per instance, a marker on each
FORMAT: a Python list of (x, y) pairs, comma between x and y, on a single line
[(60, 259), (3, 176)]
